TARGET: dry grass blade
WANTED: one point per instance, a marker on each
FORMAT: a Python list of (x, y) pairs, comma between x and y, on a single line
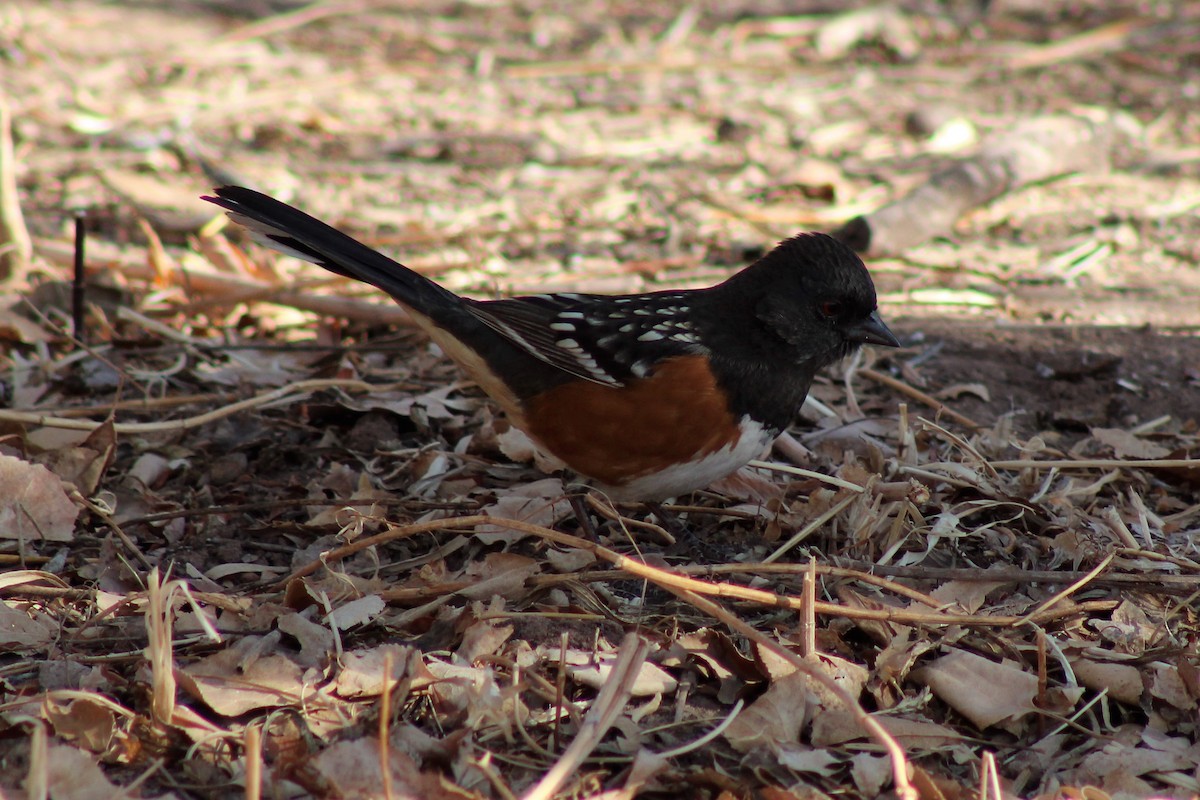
[(609, 703), (160, 593), (937, 405), (788, 469)]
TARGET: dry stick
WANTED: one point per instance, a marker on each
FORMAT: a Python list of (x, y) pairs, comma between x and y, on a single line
[(883, 572), (989, 778), (1032, 150), (304, 15), (609, 703), (803, 534), (606, 510), (937, 405), (1105, 39), (788, 469), (385, 718), (252, 755), (16, 247), (94, 352), (1082, 463), (37, 779), (78, 282), (666, 579), (137, 404), (962, 444), (808, 617), (290, 392), (899, 763), (1073, 588), (339, 553), (105, 257)]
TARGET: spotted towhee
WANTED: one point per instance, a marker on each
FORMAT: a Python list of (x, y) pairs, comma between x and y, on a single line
[(648, 395)]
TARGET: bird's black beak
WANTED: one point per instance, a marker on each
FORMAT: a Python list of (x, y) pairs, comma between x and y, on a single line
[(872, 331)]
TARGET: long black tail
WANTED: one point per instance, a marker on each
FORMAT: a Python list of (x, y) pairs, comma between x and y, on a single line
[(289, 230)]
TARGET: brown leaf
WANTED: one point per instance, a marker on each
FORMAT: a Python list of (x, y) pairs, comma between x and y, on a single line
[(957, 679), (34, 505), (85, 464), (594, 669), (72, 774), (1123, 682), (362, 670), (351, 770), (76, 718), (774, 719), (1127, 445)]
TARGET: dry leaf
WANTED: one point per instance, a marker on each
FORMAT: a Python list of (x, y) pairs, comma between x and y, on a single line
[(72, 774), (483, 638), (804, 759), (362, 670), (85, 464), (594, 669), (985, 692), (21, 631), (774, 719), (502, 574), (1127, 445), (230, 686), (87, 721), (356, 612), (34, 505), (350, 770), (870, 773), (1122, 681)]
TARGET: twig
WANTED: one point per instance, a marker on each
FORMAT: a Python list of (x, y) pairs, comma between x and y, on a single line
[(1073, 588), (1097, 41), (1083, 463), (782, 550), (937, 405), (304, 15), (877, 732), (285, 393), (708, 737), (609, 703), (832, 480), (228, 288), (667, 578)]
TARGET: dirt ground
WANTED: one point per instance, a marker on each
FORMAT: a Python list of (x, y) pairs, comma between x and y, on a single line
[(1015, 500)]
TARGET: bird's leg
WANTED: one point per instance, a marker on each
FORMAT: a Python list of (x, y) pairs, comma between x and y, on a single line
[(687, 543), (668, 520), (577, 497)]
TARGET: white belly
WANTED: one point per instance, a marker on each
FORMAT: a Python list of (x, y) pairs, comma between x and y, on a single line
[(683, 478)]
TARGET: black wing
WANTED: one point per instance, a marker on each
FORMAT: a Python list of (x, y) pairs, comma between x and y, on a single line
[(600, 338)]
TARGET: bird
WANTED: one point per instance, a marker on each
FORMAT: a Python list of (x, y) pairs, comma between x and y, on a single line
[(647, 396)]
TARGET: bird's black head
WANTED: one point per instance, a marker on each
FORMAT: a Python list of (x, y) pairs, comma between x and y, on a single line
[(813, 295)]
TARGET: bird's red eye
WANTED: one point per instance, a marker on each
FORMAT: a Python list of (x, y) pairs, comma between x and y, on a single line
[(831, 308)]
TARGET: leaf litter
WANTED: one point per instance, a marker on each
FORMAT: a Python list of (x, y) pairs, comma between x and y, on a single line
[(236, 557)]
